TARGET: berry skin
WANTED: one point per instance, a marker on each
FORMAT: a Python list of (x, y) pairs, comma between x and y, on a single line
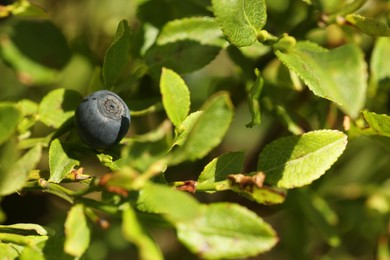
[(102, 119)]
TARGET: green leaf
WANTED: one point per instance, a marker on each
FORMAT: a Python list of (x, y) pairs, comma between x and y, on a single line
[(117, 55), (17, 174), (181, 56), (263, 195), (251, 187), (60, 163), (175, 96), (77, 232), (29, 110), (10, 117), (28, 240), (226, 231), (25, 48), (297, 161), (8, 251), (134, 233), (28, 107), (108, 161), (338, 75), (24, 8), (33, 229), (368, 25), (317, 211), (141, 154), (221, 167), (254, 102), (58, 106), (210, 128), (176, 206), (204, 30), (240, 20), (380, 74), (31, 253), (185, 127), (379, 124)]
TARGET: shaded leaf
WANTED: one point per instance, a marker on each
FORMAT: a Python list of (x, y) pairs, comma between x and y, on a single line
[(117, 55), (221, 167), (25, 48), (141, 154), (181, 56), (175, 96), (338, 75), (134, 233), (10, 116), (58, 106), (368, 25), (226, 231), (297, 161), (17, 174), (77, 232), (26, 9), (380, 74), (240, 20), (254, 102), (60, 163), (317, 211)]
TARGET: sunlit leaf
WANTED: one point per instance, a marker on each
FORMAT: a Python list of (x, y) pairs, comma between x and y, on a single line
[(296, 161), (185, 127), (58, 106), (27, 228), (379, 123), (204, 30), (175, 96), (176, 206), (60, 163), (210, 128), (8, 251), (77, 231), (31, 253), (241, 20)]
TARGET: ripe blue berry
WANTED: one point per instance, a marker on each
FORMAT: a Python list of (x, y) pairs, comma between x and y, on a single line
[(102, 119)]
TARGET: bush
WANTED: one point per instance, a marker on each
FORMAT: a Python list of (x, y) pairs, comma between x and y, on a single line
[(238, 109)]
